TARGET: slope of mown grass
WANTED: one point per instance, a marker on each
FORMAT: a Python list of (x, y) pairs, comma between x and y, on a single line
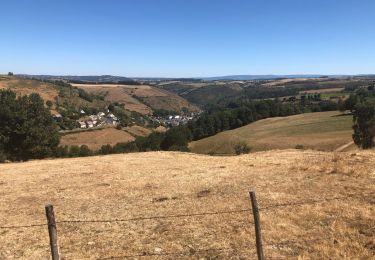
[(322, 131)]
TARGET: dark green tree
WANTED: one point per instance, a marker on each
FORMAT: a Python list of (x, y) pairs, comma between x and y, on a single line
[(84, 151), (364, 124), (178, 136), (27, 129), (49, 104)]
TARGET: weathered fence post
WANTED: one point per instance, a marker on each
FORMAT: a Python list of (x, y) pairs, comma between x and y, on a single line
[(52, 231), (258, 237)]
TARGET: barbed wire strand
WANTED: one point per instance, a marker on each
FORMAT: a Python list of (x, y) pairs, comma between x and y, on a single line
[(309, 202)]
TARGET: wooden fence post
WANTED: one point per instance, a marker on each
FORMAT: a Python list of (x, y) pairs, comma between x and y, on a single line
[(258, 237), (52, 231)]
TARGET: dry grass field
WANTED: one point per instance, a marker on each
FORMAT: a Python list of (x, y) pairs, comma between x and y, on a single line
[(137, 130), (321, 131), (26, 87), (96, 138), (142, 98), (313, 205), (117, 93)]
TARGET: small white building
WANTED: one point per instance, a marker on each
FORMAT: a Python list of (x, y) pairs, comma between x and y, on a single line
[(90, 124), (82, 124), (93, 117)]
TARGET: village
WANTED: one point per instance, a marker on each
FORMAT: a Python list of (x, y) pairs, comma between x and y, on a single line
[(106, 119), (101, 119), (173, 120)]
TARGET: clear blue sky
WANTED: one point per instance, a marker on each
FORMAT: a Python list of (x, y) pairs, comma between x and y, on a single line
[(184, 38)]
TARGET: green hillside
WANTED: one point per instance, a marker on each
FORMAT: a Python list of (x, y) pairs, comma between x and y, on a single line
[(322, 131)]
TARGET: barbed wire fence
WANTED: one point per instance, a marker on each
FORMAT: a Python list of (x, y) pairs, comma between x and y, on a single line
[(52, 227)]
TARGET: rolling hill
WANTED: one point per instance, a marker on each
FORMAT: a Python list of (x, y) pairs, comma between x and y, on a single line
[(140, 98), (63, 96), (168, 205), (321, 131)]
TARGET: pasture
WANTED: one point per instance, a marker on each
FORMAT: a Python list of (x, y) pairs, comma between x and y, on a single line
[(313, 205), (325, 131), (95, 139)]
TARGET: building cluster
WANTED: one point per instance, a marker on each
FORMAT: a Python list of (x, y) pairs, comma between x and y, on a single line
[(174, 120), (99, 120)]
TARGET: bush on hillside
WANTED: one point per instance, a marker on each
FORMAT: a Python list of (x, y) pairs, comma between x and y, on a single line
[(241, 148), (85, 151), (300, 146)]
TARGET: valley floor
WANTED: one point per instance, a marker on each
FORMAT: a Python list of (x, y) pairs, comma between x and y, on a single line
[(313, 205)]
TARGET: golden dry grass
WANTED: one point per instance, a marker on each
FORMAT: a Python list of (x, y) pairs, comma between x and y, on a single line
[(137, 130), (321, 131), (167, 183), (96, 138), (26, 87)]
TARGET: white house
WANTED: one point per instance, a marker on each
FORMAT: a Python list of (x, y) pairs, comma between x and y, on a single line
[(82, 124), (90, 124)]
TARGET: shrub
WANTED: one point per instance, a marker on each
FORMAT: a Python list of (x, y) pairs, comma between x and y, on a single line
[(49, 104), (74, 151), (300, 146), (241, 148), (62, 151), (106, 149), (85, 151)]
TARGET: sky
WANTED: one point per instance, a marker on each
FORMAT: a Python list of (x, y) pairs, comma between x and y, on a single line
[(187, 38)]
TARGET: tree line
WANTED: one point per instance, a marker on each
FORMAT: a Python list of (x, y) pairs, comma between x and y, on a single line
[(240, 112)]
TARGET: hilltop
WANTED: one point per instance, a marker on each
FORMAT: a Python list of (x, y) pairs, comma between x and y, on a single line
[(313, 205)]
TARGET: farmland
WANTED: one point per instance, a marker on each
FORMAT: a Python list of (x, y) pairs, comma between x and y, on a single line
[(26, 87), (314, 205), (96, 138), (321, 131)]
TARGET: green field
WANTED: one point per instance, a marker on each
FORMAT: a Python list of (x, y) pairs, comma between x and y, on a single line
[(321, 131)]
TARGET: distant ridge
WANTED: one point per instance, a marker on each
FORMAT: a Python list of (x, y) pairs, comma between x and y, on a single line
[(119, 79), (88, 79), (265, 77)]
